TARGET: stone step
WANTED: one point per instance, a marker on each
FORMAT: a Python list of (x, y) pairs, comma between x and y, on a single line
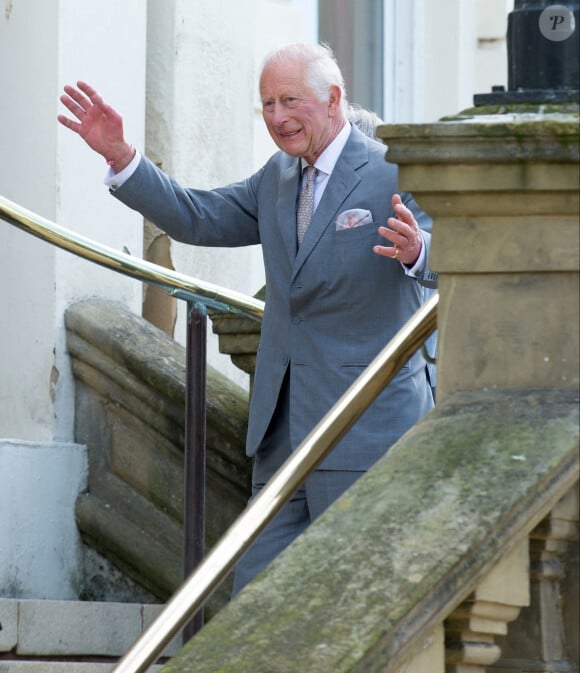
[(54, 667), (59, 667), (47, 666), (60, 630)]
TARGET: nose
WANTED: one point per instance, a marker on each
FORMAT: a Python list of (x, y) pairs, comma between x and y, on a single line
[(279, 115)]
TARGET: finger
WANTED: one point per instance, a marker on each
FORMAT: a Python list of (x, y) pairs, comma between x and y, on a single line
[(69, 123), (403, 214), (399, 227), (87, 89), (85, 97), (76, 109), (398, 240), (389, 233), (392, 235), (387, 251), (399, 233), (74, 94), (97, 100), (94, 96)]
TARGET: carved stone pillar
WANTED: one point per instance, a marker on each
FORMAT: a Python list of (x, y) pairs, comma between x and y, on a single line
[(501, 184), (543, 638), (471, 628), (502, 187)]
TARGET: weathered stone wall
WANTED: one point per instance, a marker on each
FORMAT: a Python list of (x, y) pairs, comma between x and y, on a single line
[(502, 187), (129, 411)]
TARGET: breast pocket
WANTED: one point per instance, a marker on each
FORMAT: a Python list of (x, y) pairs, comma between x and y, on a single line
[(354, 247), (353, 219)]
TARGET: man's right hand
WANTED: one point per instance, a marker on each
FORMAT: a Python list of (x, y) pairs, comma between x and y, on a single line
[(99, 125)]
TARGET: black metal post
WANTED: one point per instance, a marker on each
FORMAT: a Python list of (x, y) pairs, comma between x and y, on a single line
[(194, 463), (543, 54), (542, 42)]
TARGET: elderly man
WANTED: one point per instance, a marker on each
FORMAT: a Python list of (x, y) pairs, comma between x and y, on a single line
[(344, 257)]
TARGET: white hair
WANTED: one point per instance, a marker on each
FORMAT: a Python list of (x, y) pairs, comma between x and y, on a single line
[(365, 120), (322, 71)]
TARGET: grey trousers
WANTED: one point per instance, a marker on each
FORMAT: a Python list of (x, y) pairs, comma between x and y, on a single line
[(320, 490)]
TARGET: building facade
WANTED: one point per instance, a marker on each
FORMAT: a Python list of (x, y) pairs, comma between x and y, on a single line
[(184, 76)]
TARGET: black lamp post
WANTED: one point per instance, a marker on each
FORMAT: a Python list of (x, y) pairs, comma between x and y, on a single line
[(543, 54)]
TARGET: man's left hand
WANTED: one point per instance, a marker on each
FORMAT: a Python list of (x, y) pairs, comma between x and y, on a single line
[(403, 232)]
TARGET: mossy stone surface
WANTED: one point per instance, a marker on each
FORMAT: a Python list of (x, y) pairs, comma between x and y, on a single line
[(408, 542)]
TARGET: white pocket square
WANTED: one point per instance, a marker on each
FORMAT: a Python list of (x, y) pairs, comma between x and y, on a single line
[(353, 218)]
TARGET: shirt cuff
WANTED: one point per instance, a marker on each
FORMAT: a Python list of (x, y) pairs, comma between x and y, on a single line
[(417, 270), (115, 180)]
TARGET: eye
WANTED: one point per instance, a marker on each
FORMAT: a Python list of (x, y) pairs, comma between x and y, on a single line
[(290, 101), (267, 104)]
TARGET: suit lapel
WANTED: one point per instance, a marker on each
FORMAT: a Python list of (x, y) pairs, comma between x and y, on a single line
[(286, 207), (341, 183)]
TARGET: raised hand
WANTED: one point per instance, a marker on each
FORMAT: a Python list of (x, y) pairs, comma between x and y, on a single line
[(99, 125), (403, 232)]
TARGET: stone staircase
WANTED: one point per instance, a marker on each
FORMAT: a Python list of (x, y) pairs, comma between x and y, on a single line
[(47, 636)]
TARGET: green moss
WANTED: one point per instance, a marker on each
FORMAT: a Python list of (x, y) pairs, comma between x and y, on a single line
[(412, 535), (524, 109)]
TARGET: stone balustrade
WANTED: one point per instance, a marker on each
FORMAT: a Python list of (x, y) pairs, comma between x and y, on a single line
[(423, 565)]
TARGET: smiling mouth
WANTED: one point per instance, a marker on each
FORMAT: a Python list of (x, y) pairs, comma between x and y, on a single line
[(290, 135)]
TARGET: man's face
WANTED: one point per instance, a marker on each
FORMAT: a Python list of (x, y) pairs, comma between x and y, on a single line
[(298, 122)]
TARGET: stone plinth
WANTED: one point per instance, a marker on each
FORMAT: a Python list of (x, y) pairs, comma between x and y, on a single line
[(239, 336), (502, 188)]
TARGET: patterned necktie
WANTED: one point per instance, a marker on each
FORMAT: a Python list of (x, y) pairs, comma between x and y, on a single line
[(305, 204)]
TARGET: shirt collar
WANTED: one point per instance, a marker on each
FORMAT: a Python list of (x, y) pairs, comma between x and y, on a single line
[(327, 160)]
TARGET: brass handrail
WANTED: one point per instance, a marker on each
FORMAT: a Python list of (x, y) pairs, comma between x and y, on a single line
[(209, 574), (176, 284), (200, 585)]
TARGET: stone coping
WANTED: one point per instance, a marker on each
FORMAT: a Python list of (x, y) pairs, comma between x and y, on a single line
[(408, 543), (502, 135)]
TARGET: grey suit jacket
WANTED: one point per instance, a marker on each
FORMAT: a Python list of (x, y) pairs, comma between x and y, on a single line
[(331, 305)]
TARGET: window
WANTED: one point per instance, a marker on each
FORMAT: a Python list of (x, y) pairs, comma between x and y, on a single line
[(354, 30)]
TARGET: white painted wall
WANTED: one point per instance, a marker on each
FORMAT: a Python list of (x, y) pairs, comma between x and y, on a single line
[(48, 170), (491, 61), (450, 50), (43, 45), (439, 54), (200, 127), (39, 543), (82, 202), (27, 176)]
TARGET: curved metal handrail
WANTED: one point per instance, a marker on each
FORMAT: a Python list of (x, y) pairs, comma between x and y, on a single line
[(176, 284), (200, 585)]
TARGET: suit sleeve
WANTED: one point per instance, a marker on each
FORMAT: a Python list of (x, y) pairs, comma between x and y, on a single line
[(226, 217)]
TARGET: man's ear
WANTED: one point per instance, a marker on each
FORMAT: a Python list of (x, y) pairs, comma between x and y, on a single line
[(334, 98)]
